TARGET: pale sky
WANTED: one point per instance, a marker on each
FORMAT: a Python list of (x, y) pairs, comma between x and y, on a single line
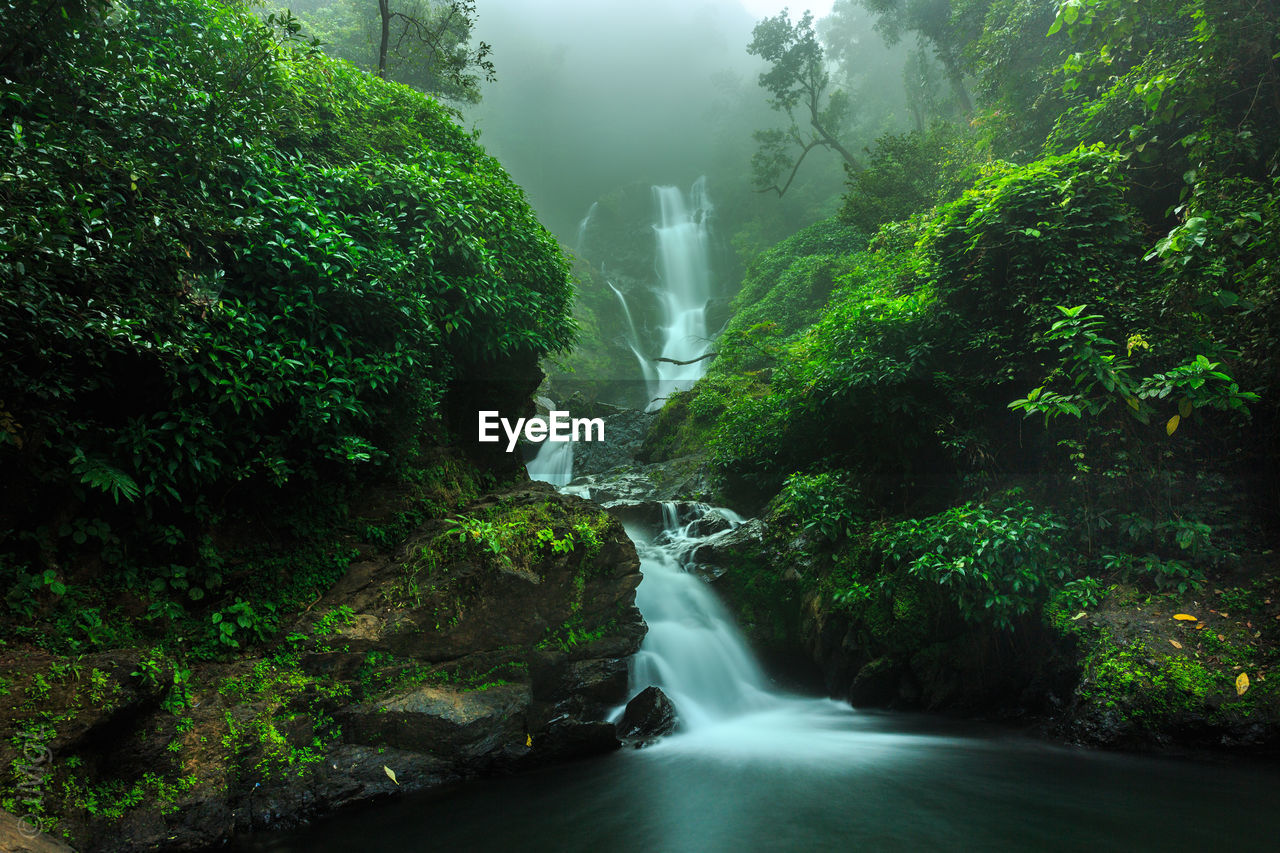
[(765, 8)]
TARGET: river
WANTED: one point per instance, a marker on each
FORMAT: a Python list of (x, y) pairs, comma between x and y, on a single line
[(756, 769)]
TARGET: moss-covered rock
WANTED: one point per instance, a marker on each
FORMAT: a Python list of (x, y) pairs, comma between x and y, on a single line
[(1152, 676), (495, 639)]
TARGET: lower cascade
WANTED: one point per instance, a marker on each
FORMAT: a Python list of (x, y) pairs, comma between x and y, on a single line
[(693, 652), (696, 655), (553, 464)]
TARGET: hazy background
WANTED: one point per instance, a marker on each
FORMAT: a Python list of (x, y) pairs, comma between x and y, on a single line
[(595, 94)]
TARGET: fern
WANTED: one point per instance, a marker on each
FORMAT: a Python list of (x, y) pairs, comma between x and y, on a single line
[(100, 475)]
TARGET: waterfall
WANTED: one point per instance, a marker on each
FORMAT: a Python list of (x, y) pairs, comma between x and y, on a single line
[(684, 272), (633, 339), (693, 651), (553, 464), (582, 226)]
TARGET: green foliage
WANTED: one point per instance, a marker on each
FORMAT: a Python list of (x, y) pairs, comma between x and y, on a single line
[(518, 536), (853, 373), (236, 275), (997, 563), (1101, 379), (428, 48), (797, 79), (1023, 239), (827, 503), (908, 173)]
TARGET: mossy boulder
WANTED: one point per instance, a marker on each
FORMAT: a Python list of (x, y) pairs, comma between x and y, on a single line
[(494, 640)]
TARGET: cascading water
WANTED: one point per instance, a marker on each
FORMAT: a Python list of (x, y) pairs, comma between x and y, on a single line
[(553, 464), (633, 340), (753, 769), (684, 270), (696, 655), (693, 651), (584, 225)]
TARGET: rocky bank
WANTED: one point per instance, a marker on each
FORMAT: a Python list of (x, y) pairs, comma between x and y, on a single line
[(492, 641)]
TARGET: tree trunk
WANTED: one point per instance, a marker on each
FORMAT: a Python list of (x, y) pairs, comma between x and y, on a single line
[(956, 77), (384, 9)]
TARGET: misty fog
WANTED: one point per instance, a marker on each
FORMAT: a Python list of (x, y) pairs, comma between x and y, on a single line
[(594, 95)]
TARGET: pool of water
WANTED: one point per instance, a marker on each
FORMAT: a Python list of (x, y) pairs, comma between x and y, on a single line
[(832, 779)]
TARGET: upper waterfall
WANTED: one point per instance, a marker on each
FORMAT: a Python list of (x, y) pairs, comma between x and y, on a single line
[(683, 232)]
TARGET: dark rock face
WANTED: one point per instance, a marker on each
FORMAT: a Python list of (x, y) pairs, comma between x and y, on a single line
[(624, 431), (22, 835), (682, 479), (444, 661), (505, 386), (649, 715)]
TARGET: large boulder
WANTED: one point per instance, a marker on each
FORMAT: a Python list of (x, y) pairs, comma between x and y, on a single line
[(649, 715)]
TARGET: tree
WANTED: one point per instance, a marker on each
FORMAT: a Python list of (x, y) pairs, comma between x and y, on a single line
[(797, 79), (421, 43), (434, 41), (941, 22)]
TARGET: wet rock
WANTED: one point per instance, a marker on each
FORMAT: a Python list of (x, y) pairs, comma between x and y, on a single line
[(437, 663), (624, 431), (467, 724), (625, 485), (877, 684), (647, 514), (23, 835), (711, 521), (682, 479), (649, 715), (726, 547)]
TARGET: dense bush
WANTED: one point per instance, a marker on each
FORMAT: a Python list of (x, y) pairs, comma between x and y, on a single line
[(1048, 288), (908, 173), (232, 271)]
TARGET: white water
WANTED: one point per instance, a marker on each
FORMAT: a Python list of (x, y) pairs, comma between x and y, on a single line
[(584, 224), (553, 464), (693, 651), (697, 656), (633, 340), (684, 272)]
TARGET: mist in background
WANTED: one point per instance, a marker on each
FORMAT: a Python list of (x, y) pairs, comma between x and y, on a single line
[(592, 95)]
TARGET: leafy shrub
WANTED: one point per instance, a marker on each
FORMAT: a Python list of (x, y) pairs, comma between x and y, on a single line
[(1024, 239), (848, 393), (997, 563), (786, 286), (234, 272), (908, 173), (828, 503)]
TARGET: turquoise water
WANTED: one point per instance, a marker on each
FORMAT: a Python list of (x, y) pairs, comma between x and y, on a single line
[(876, 782)]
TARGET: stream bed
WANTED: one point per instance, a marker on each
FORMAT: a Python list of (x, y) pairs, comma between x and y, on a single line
[(753, 768)]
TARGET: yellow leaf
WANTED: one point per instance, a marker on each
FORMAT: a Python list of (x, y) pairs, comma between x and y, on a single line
[(1185, 617), (1172, 424), (133, 185), (1079, 615), (1175, 644), (1184, 408), (528, 740), (1133, 402), (391, 774), (1242, 684)]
